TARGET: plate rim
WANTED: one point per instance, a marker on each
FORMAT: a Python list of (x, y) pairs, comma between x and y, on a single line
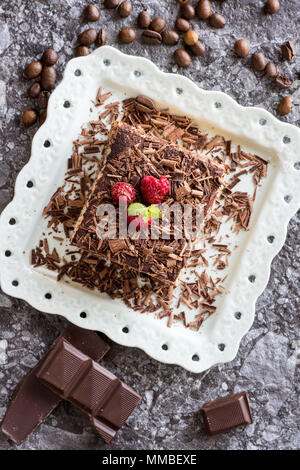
[(186, 83)]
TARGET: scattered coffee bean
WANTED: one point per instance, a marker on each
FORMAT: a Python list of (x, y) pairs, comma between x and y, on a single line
[(48, 78), (110, 4), (285, 105), (34, 90), (272, 6), (102, 37), (217, 21), (151, 37), (29, 117), (288, 50), (43, 98), (87, 37), (127, 35), (242, 47), (271, 70), (82, 51), (203, 9), (197, 49), (190, 37), (183, 2), (170, 37), (258, 61), (187, 11), (33, 70), (124, 9), (49, 57), (144, 19), (158, 24), (144, 103), (91, 13), (42, 117), (182, 25), (282, 81), (182, 58)]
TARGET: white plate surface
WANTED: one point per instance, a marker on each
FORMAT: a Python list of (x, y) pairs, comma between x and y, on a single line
[(278, 199)]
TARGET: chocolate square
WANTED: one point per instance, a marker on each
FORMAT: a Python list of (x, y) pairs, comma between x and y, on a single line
[(226, 413), (93, 387), (62, 366)]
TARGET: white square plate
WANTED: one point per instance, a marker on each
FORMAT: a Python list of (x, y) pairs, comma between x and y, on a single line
[(278, 199)]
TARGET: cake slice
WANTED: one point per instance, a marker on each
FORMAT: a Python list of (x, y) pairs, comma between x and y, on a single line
[(129, 156)]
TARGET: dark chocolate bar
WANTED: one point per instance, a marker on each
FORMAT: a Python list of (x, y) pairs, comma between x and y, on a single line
[(226, 413), (32, 402), (95, 391)]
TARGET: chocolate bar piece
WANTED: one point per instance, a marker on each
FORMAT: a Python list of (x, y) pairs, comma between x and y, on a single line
[(226, 413), (95, 391), (32, 402), (131, 154)]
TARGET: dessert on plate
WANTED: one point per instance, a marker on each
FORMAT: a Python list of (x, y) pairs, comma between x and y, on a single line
[(155, 171)]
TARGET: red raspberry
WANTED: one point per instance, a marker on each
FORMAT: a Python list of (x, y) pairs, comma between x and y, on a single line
[(139, 222), (138, 213), (124, 191), (154, 190)]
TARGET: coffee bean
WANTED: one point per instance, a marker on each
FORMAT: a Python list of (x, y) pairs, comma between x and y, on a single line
[(242, 47), (34, 90), (183, 2), (87, 37), (127, 35), (144, 103), (282, 81), (43, 98), (102, 37), (203, 9), (49, 57), (124, 9), (33, 70), (288, 50), (48, 78), (144, 19), (190, 37), (29, 117), (217, 21), (42, 117), (271, 70), (151, 37), (158, 24), (272, 6), (91, 13), (82, 51), (258, 61), (187, 11), (182, 58), (110, 4), (197, 49), (285, 105), (170, 37), (182, 25)]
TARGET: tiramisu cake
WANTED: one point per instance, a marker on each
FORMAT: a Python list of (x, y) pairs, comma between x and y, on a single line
[(146, 169)]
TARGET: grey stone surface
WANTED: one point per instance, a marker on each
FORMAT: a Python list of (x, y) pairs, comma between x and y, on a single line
[(266, 364)]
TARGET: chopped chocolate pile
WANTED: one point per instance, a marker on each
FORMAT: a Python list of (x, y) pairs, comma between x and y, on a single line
[(197, 291)]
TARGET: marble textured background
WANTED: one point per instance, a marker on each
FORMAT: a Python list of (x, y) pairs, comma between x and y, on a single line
[(266, 364)]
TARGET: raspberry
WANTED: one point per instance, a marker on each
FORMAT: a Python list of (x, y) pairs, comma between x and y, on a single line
[(139, 214), (123, 190), (154, 190)]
